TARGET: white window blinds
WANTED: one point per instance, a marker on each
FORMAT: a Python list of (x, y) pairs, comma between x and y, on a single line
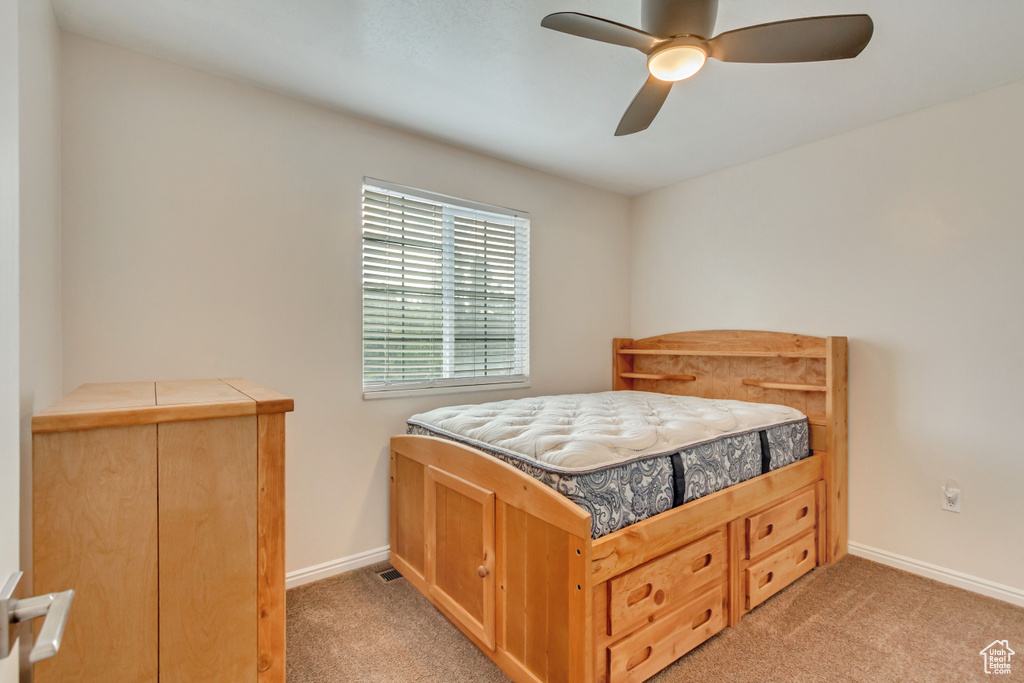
[(445, 291)]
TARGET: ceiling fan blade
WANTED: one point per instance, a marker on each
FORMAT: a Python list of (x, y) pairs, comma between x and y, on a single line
[(814, 39), (595, 28), (644, 107)]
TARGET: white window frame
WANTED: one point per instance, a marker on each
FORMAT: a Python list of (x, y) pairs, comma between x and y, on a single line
[(452, 208)]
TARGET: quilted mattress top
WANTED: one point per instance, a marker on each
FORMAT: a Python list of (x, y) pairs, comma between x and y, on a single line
[(578, 433)]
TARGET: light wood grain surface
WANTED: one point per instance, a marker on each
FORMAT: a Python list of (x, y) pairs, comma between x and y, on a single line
[(190, 391), (270, 549), (104, 397), (836, 473), (664, 583), (267, 400), (170, 528), (767, 577), (769, 529), (461, 550), (650, 649), (511, 485), (95, 531), (736, 343), (537, 568), (806, 373), (208, 517), (93, 406)]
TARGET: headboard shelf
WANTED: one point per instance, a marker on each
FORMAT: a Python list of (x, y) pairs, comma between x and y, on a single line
[(649, 375), (784, 385), (728, 343), (797, 353)]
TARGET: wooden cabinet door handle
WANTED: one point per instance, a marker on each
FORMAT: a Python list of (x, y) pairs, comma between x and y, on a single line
[(483, 571)]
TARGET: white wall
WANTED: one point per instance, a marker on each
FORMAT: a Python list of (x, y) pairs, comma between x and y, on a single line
[(30, 337), (213, 229), (9, 459), (40, 315), (907, 238)]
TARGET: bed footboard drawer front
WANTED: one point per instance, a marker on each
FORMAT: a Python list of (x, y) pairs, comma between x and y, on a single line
[(639, 656), (770, 575), (663, 584), (781, 523)]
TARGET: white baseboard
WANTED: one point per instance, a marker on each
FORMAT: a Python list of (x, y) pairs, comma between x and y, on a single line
[(335, 567), (954, 578), (992, 589)]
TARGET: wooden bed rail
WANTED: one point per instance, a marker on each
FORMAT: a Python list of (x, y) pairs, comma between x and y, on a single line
[(510, 485), (806, 373), (654, 536)]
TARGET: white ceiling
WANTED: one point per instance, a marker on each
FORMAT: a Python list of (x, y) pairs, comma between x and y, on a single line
[(483, 74)]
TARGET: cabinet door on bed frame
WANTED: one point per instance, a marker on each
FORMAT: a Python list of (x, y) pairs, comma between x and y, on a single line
[(460, 550)]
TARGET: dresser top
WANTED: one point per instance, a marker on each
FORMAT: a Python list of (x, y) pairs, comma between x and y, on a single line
[(136, 403)]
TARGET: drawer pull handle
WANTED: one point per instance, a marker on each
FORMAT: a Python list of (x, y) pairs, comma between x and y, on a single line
[(764, 532), (700, 563), (483, 571), (638, 658), (803, 512), (639, 594), (765, 580), (804, 557), (702, 618)]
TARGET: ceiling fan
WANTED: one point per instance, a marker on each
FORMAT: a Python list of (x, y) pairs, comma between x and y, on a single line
[(674, 40)]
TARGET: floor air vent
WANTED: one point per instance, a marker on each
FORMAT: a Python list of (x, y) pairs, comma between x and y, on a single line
[(389, 575)]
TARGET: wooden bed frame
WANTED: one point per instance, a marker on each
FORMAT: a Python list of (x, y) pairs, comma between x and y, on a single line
[(511, 562)]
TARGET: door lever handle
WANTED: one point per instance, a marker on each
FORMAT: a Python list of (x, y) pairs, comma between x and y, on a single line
[(55, 607)]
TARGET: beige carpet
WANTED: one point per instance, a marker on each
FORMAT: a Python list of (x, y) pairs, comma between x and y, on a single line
[(851, 621)]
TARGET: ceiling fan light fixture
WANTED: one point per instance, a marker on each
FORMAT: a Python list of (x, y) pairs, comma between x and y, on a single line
[(676, 62), (676, 40)]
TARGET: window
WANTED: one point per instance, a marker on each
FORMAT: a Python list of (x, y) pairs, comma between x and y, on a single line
[(445, 291)]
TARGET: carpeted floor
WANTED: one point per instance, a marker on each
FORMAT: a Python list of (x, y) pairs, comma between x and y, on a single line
[(851, 621)]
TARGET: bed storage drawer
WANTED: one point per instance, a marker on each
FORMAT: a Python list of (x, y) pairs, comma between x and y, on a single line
[(770, 575), (780, 524), (639, 656), (665, 583)]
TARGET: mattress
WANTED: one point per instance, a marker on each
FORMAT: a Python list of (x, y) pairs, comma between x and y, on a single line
[(625, 456)]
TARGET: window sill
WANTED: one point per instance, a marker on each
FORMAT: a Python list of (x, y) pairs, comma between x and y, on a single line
[(433, 391)]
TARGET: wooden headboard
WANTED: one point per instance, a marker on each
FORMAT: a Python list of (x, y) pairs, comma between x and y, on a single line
[(806, 373)]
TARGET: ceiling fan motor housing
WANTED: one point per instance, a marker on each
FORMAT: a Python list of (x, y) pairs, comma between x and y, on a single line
[(666, 18)]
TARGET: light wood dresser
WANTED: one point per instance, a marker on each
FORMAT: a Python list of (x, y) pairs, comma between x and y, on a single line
[(162, 505)]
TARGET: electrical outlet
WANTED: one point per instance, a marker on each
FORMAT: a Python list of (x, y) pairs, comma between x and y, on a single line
[(951, 497)]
